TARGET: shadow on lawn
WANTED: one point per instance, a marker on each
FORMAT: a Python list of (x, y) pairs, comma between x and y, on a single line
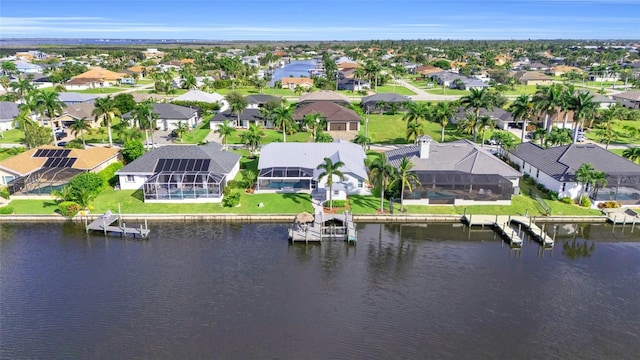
[(296, 198), (138, 194)]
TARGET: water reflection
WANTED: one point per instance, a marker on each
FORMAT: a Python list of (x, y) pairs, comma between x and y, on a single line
[(575, 249)]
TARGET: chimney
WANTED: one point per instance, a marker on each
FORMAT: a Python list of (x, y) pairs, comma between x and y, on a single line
[(424, 142)]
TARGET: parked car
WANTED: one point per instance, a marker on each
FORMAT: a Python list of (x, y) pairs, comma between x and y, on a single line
[(492, 142), (150, 145), (62, 143), (61, 135), (580, 138)]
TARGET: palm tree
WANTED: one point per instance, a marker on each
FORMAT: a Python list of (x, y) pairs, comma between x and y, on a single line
[(79, 126), (252, 138), (632, 153), (260, 83), (522, 109), (584, 174), (381, 172), (189, 82), (599, 180), (417, 111), (442, 112), (145, 117), (225, 130), (106, 107), (584, 108), (21, 87), (469, 125), (406, 177), (329, 170), (362, 140), (476, 100), (237, 103), (372, 70), (9, 68), (181, 129), (5, 82), (558, 137), (50, 104), (606, 132), (549, 99), (283, 118), (414, 130), (313, 121), (541, 134), (484, 123)]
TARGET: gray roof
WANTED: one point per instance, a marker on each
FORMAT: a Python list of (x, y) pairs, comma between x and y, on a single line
[(324, 95), (628, 95), (73, 97), (457, 156), (169, 111), (222, 162), (386, 97), (561, 162), (262, 99), (496, 113), (246, 114), (198, 95), (8, 110), (310, 155)]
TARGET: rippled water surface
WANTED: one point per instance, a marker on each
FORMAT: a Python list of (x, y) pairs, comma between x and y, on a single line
[(205, 290)]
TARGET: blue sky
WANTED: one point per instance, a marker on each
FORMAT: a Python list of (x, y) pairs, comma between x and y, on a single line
[(321, 19)]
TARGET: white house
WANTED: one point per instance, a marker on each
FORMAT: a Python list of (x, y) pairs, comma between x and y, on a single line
[(292, 167), (8, 112), (181, 173), (555, 168), (169, 116)]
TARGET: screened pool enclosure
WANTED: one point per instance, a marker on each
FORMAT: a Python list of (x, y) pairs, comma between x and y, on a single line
[(175, 185), (445, 187), (43, 181), (286, 179)]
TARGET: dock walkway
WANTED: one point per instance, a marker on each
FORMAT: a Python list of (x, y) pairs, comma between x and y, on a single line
[(325, 227), (503, 222), (105, 224)]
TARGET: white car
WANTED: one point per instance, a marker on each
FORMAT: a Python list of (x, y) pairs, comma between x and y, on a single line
[(151, 145)]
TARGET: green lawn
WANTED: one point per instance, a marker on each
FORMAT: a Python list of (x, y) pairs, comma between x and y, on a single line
[(447, 91), (271, 136), (394, 89), (13, 136), (9, 152), (391, 129), (622, 136), (521, 89), (250, 90)]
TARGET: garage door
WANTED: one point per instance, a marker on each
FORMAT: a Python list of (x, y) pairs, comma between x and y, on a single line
[(338, 126)]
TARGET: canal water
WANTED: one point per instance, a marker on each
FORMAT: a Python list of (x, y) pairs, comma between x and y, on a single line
[(296, 68), (201, 290)]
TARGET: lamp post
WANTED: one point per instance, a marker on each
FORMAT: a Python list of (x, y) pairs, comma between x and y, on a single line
[(366, 123), (315, 128)]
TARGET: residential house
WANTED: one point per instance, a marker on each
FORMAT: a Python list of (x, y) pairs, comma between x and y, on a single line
[(181, 173), (95, 77), (8, 113), (43, 169), (258, 100), (455, 173), (502, 118), (628, 99), (70, 98), (292, 167), (292, 82), (324, 95), (247, 117), (381, 101), (353, 84), (79, 111), (556, 167), (27, 67), (533, 78), (338, 118), (170, 115), (563, 69), (205, 97)]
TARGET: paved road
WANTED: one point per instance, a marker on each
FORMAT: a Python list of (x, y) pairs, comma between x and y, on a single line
[(422, 95)]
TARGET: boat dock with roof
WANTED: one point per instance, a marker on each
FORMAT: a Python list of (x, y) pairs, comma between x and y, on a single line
[(321, 227)]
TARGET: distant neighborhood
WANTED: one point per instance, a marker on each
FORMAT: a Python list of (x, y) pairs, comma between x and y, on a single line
[(418, 124)]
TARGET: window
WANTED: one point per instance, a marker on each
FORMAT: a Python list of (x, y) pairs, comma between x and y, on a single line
[(130, 178), (7, 179), (537, 173), (564, 186), (360, 183), (336, 192)]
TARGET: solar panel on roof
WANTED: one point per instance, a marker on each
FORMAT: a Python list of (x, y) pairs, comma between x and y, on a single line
[(197, 165), (38, 153), (160, 165), (48, 162), (183, 164), (205, 165), (56, 162), (174, 164), (190, 164)]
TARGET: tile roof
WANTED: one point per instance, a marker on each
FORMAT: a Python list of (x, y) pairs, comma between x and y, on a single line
[(100, 74), (628, 95), (222, 162), (458, 156), (532, 76), (68, 97), (310, 155), (80, 110), (561, 162), (262, 99), (246, 114), (386, 97), (298, 80), (87, 159), (324, 95), (330, 111)]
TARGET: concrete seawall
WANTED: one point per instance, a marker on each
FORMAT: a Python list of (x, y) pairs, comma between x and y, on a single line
[(285, 218)]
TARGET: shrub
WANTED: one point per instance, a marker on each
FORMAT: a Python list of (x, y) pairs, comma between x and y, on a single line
[(585, 201), (4, 192), (552, 195), (526, 176), (132, 150), (108, 175), (567, 200), (336, 203), (68, 208), (6, 210), (231, 200), (232, 184), (91, 182), (540, 187), (608, 205)]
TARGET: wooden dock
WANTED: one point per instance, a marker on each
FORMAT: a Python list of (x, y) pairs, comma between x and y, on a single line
[(503, 224), (107, 224), (325, 227), (623, 217)]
